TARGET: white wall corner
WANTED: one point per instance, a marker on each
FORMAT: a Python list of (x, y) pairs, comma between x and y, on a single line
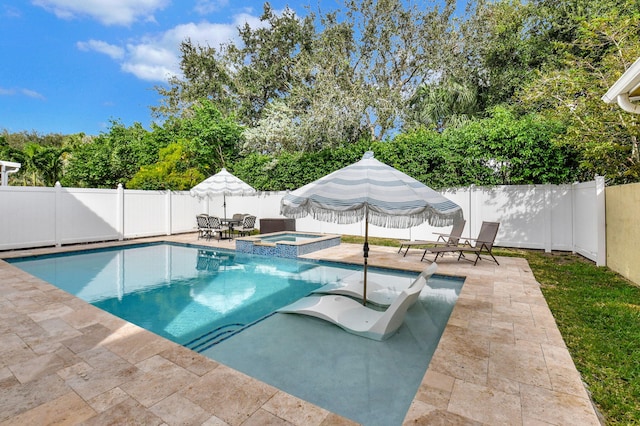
[(601, 224)]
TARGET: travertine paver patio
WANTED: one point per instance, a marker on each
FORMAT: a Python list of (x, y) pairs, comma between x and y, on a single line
[(501, 359)]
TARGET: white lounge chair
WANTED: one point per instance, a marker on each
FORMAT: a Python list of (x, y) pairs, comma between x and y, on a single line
[(378, 294), (451, 239), (355, 318)]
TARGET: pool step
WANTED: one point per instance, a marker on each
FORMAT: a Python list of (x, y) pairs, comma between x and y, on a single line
[(215, 336)]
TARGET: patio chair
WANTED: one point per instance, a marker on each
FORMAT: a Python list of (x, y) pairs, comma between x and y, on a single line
[(378, 294), (248, 226), (482, 244), (451, 239), (355, 318), (204, 231), (215, 225)]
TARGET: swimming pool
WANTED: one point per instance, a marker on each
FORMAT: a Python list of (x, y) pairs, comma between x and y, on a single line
[(305, 357), (193, 296)]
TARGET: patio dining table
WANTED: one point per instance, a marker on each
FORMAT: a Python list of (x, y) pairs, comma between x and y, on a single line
[(230, 223)]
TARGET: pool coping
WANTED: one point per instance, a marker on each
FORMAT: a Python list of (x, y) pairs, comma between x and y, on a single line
[(501, 358), (258, 238)]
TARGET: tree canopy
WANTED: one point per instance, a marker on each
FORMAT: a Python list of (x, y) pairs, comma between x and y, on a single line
[(507, 93), (313, 85)]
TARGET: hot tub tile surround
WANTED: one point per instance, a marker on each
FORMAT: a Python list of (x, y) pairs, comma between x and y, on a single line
[(286, 249)]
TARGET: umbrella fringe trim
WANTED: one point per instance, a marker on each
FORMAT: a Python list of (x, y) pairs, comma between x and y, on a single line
[(384, 220), (211, 196)]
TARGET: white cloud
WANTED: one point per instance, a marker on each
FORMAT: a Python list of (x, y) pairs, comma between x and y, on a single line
[(205, 7), (204, 34), (156, 58), (112, 12), (114, 52), (32, 94), (26, 92), (151, 61)]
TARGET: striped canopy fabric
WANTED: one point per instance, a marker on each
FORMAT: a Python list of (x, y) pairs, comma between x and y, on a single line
[(373, 191), (222, 183)]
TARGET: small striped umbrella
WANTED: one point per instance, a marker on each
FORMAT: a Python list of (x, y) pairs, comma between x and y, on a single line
[(223, 183), (372, 191)]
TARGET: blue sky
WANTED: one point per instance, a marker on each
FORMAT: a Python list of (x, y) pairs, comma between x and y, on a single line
[(70, 66)]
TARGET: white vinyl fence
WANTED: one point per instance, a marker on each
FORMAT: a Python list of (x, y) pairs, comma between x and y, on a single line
[(548, 217)]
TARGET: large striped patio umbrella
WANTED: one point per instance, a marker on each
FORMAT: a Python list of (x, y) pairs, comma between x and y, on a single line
[(223, 183), (374, 192)]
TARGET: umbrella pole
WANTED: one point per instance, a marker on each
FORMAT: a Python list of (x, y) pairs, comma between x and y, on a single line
[(365, 250), (224, 205)]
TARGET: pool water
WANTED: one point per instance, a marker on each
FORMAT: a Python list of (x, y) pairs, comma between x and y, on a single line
[(221, 303), (295, 238), (193, 296), (370, 382)]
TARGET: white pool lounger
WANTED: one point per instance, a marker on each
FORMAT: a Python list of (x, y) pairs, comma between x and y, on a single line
[(377, 293), (355, 318)]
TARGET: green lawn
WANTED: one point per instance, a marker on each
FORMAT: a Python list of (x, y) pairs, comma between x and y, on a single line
[(598, 314)]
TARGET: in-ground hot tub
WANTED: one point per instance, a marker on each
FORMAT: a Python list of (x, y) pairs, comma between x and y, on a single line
[(286, 244)]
